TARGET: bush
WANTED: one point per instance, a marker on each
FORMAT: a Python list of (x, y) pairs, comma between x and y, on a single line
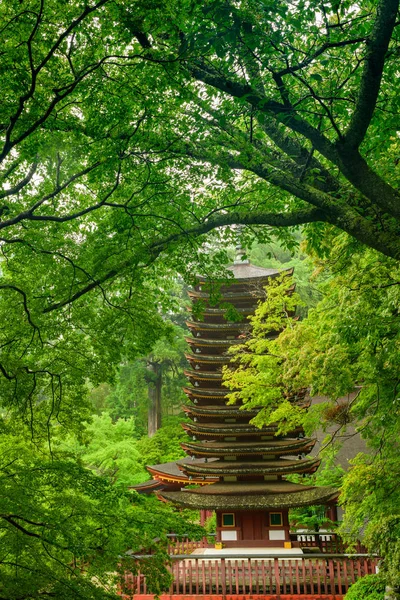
[(370, 587)]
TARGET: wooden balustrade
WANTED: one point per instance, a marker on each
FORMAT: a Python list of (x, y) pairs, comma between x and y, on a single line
[(321, 575), (325, 541)]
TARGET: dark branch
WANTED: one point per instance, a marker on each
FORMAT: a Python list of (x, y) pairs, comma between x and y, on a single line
[(377, 46)]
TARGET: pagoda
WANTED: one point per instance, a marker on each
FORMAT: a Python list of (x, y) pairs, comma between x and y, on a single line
[(241, 469)]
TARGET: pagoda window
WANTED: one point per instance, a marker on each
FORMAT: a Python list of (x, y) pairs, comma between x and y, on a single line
[(275, 519), (228, 520)]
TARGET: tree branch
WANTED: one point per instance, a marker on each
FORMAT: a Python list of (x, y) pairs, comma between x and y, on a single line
[(377, 46)]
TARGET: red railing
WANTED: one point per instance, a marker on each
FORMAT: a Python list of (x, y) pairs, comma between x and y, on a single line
[(324, 541), (322, 575), (184, 545)]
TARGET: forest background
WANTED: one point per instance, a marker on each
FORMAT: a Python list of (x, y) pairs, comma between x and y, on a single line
[(134, 140)]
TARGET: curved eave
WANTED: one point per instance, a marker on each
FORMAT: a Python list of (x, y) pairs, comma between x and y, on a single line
[(249, 295), (301, 466), (249, 449), (218, 327), (222, 411), (203, 342), (208, 311), (208, 358), (203, 375), (178, 479), (231, 429), (309, 497), (247, 273), (205, 393)]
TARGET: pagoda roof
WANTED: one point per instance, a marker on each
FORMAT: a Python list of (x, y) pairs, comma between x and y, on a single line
[(216, 312), (170, 472), (266, 467), (274, 447), (231, 429), (213, 343), (248, 488), (218, 327), (253, 294), (203, 375), (208, 358), (206, 392), (260, 500), (220, 411), (147, 486), (245, 270)]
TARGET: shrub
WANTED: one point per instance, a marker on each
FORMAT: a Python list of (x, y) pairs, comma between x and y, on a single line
[(370, 587)]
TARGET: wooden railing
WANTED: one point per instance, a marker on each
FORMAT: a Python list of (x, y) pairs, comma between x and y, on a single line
[(322, 541), (321, 575), (184, 545), (326, 541)]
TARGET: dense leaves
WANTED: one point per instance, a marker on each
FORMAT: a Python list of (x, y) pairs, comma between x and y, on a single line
[(347, 350), (66, 532)]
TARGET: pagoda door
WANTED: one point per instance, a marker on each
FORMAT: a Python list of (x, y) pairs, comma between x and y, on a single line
[(252, 525)]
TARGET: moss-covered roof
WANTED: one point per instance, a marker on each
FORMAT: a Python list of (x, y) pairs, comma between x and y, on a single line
[(267, 467), (219, 359), (247, 271), (308, 497), (222, 411), (200, 342), (251, 294), (230, 429), (218, 327), (274, 448), (206, 392), (203, 375), (220, 312)]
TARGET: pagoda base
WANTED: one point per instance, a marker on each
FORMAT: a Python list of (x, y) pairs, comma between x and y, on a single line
[(253, 528), (244, 551)]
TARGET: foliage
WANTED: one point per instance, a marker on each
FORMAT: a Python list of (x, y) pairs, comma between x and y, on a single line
[(258, 376), (129, 396), (370, 498), (65, 531), (347, 345), (370, 587), (127, 134), (164, 446), (211, 524), (328, 474), (110, 449), (307, 280)]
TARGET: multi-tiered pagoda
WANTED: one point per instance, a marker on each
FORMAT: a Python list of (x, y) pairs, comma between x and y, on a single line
[(243, 467)]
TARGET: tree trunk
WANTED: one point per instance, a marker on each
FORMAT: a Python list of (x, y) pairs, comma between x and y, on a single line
[(154, 394)]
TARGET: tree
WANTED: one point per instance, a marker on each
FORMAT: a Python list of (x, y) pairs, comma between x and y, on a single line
[(110, 449), (129, 133), (348, 343), (66, 532), (295, 97)]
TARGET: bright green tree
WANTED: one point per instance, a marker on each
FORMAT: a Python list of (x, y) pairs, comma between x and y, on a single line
[(67, 532), (110, 449), (347, 345)]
